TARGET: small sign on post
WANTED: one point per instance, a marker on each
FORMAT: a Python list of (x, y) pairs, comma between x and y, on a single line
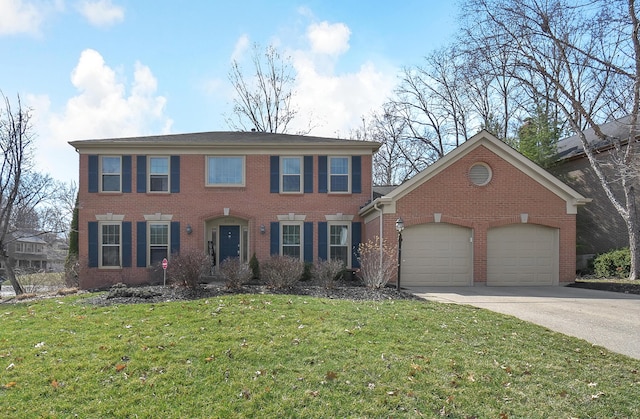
[(165, 263)]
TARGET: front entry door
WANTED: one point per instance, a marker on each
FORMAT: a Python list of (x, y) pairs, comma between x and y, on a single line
[(229, 242)]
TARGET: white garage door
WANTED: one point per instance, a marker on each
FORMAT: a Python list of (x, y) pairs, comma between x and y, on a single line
[(522, 254), (436, 254)]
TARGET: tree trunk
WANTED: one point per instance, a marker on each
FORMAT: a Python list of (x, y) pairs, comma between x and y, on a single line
[(633, 226), (9, 270)]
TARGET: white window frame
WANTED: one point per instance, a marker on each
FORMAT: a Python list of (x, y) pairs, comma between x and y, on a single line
[(167, 174), (300, 226), (103, 174), (150, 245), (330, 174), (347, 245), (101, 244), (300, 174), (232, 185)]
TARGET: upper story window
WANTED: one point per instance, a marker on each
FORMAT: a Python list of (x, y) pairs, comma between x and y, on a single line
[(338, 174), (225, 171), (110, 248), (110, 173), (291, 174), (158, 174)]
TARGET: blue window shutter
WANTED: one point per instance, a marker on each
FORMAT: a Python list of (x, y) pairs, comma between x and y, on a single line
[(175, 174), (275, 238), (93, 174), (308, 174), (175, 237), (322, 174), (141, 174), (356, 174), (92, 238), (141, 244), (274, 174), (356, 238), (308, 242), (126, 174), (126, 244), (323, 238)]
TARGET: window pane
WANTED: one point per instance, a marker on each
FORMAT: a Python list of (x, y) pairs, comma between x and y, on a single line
[(291, 165), (157, 254), (290, 234), (111, 234), (339, 253), (291, 183), (339, 166), (225, 171), (159, 165), (339, 183), (159, 183), (159, 234), (110, 255), (111, 183), (339, 235), (293, 251), (111, 165)]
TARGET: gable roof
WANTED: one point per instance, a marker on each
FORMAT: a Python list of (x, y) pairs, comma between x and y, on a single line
[(224, 140), (484, 138), (615, 130)]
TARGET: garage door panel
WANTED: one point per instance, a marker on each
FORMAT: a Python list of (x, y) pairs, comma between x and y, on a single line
[(436, 254), (522, 254)]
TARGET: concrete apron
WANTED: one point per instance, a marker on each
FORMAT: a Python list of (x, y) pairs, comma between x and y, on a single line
[(607, 319)]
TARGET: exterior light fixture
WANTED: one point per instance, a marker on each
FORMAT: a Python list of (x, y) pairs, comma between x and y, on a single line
[(189, 229), (399, 228), (263, 229)]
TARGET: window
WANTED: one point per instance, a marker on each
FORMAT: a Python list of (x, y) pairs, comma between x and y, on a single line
[(291, 240), (158, 242), (110, 245), (291, 174), (159, 174), (110, 173), (225, 171), (338, 174), (339, 242), (480, 174)]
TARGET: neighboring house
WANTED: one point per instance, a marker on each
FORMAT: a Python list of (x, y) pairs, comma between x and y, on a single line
[(28, 251), (600, 227), (482, 214), (230, 194)]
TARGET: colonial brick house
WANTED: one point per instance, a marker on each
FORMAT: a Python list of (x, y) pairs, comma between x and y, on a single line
[(231, 194), (482, 214)]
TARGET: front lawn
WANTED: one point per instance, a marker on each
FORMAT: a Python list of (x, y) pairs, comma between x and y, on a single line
[(293, 356)]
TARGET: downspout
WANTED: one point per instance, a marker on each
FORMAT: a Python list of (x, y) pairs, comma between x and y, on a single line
[(375, 206)]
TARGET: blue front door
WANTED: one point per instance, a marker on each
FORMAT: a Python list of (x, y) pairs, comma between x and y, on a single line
[(229, 242)]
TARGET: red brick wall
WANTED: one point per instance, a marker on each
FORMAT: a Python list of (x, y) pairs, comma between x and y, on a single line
[(509, 194), (195, 204)]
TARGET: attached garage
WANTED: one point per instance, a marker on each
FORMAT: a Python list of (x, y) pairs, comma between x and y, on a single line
[(522, 254), (437, 254)]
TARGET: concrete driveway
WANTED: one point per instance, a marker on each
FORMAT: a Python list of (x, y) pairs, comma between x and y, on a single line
[(607, 319)]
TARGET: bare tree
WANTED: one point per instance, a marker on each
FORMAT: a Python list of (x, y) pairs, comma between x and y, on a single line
[(21, 189), (588, 55), (263, 100)]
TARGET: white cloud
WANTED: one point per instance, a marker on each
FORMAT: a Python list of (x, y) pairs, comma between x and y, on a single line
[(104, 107), (327, 38), (17, 16), (101, 13), (242, 45)]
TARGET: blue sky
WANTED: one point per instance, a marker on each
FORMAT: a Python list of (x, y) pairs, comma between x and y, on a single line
[(113, 68)]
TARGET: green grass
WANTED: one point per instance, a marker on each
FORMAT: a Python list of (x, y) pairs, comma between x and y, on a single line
[(289, 356)]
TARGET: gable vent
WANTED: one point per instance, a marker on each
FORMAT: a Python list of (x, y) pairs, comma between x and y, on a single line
[(480, 174)]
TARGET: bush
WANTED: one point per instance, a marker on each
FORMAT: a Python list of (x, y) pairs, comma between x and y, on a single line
[(187, 267), (255, 267), (281, 272), (71, 269), (307, 272), (234, 273), (327, 272), (613, 264), (377, 268)]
